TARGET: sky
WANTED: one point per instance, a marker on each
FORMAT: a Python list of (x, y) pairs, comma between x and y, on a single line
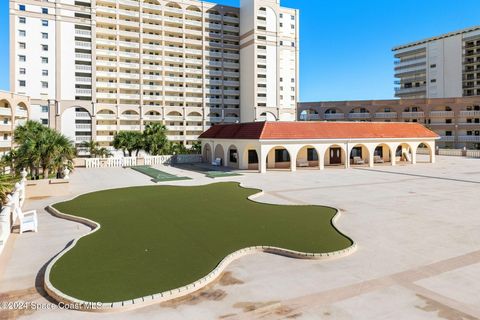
[(345, 45)]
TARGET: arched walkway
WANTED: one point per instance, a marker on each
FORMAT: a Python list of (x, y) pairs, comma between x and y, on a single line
[(335, 155), (233, 159), (359, 155), (424, 153), (307, 157), (219, 154), (382, 154), (278, 158), (207, 153), (403, 154)]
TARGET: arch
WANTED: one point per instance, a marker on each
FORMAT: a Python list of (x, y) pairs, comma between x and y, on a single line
[(152, 113), (5, 104), (359, 110), (219, 154), (335, 155), (404, 153), (267, 116), (251, 157), (308, 156), (193, 8), (333, 111), (233, 157), (105, 111), (413, 109), (175, 114), (86, 105), (382, 153), (424, 153), (213, 11), (214, 114), (279, 157), (207, 153), (359, 155), (231, 115), (130, 112), (173, 5), (194, 114)]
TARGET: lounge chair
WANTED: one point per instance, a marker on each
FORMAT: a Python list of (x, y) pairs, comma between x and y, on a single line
[(378, 159), (28, 220), (358, 160), (302, 163), (217, 162)]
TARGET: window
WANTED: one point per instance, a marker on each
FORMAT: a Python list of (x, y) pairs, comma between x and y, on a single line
[(44, 121), (281, 79), (22, 45), (281, 15), (433, 80), (22, 58), (292, 17), (44, 109), (21, 7), (293, 26), (22, 20), (22, 71), (281, 43), (252, 157), (312, 154), (44, 35), (448, 120), (44, 47), (293, 88), (44, 60), (45, 23), (44, 73), (281, 24), (293, 80), (448, 133), (5, 120), (22, 83), (45, 10), (233, 155), (22, 33), (44, 84), (282, 155), (433, 66)]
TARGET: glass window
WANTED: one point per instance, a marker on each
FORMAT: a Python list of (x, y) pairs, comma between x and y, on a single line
[(45, 23), (44, 84), (44, 108), (22, 20), (312, 154), (45, 121), (44, 35), (22, 58), (44, 47), (282, 155), (22, 33), (252, 156), (233, 155), (21, 7), (22, 45), (45, 10), (21, 83), (44, 73), (23, 71), (44, 60)]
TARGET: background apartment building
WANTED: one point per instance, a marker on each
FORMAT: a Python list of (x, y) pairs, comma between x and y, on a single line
[(94, 67), (455, 120), (439, 67)]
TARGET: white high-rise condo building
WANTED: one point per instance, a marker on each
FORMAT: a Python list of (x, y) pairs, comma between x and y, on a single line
[(95, 67), (440, 67)]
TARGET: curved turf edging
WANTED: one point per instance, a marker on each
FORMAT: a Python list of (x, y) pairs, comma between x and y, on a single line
[(140, 302)]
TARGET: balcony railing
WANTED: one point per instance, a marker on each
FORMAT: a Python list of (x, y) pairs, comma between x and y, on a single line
[(470, 113), (442, 113), (448, 138), (417, 114), (359, 115), (386, 115), (334, 116), (469, 138)]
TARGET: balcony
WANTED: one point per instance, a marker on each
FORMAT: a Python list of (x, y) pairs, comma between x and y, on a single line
[(152, 118), (82, 115), (334, 116), (83, 127), (106, 95), (469, 138), (175, 128), (359, 115), (232, 119), (83, 92), (442, 114), (470, 114), (104, 138), (130, 117), (5, 112), (5, 127), (175, 138), (195, 118), (447, 138), (106, 116), (85, 80), (129, 127), (103, 127), (5, 143), (83, 56), (410, 115), (174, 118), (83, 33), (83, 44), (80, 139), (386, 115), (83, 68), (402, 91)]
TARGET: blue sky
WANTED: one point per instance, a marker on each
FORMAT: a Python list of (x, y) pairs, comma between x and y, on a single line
[(345, 48)]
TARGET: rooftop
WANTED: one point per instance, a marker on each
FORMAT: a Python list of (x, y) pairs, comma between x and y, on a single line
[(446, 35), (317, 130)]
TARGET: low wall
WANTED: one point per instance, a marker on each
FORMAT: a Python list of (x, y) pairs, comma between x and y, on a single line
[(458, 153), (138, 161), (47, 188)]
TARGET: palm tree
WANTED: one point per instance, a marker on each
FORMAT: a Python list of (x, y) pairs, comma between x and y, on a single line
[(103, 152), (92, 147), (7, 182), (155, 139), (128, 141)]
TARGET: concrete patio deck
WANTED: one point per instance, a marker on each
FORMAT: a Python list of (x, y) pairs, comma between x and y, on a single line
[(416, 227)]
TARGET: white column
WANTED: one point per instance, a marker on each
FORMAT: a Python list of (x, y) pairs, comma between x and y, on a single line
[(370, 160)]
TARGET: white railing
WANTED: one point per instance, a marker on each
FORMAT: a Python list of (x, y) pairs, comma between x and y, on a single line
[(8, 212), (459, 153), (473, 153), (148, 160), (152, 160)]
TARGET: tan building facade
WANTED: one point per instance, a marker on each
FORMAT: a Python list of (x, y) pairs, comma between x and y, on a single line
[(455, 120), (14, 111)]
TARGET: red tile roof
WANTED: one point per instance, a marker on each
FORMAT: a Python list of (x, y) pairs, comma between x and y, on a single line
[(317, 130)]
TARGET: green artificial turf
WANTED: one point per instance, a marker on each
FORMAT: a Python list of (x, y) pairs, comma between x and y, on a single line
[(157, 175), (153, 239), (220, 174)]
